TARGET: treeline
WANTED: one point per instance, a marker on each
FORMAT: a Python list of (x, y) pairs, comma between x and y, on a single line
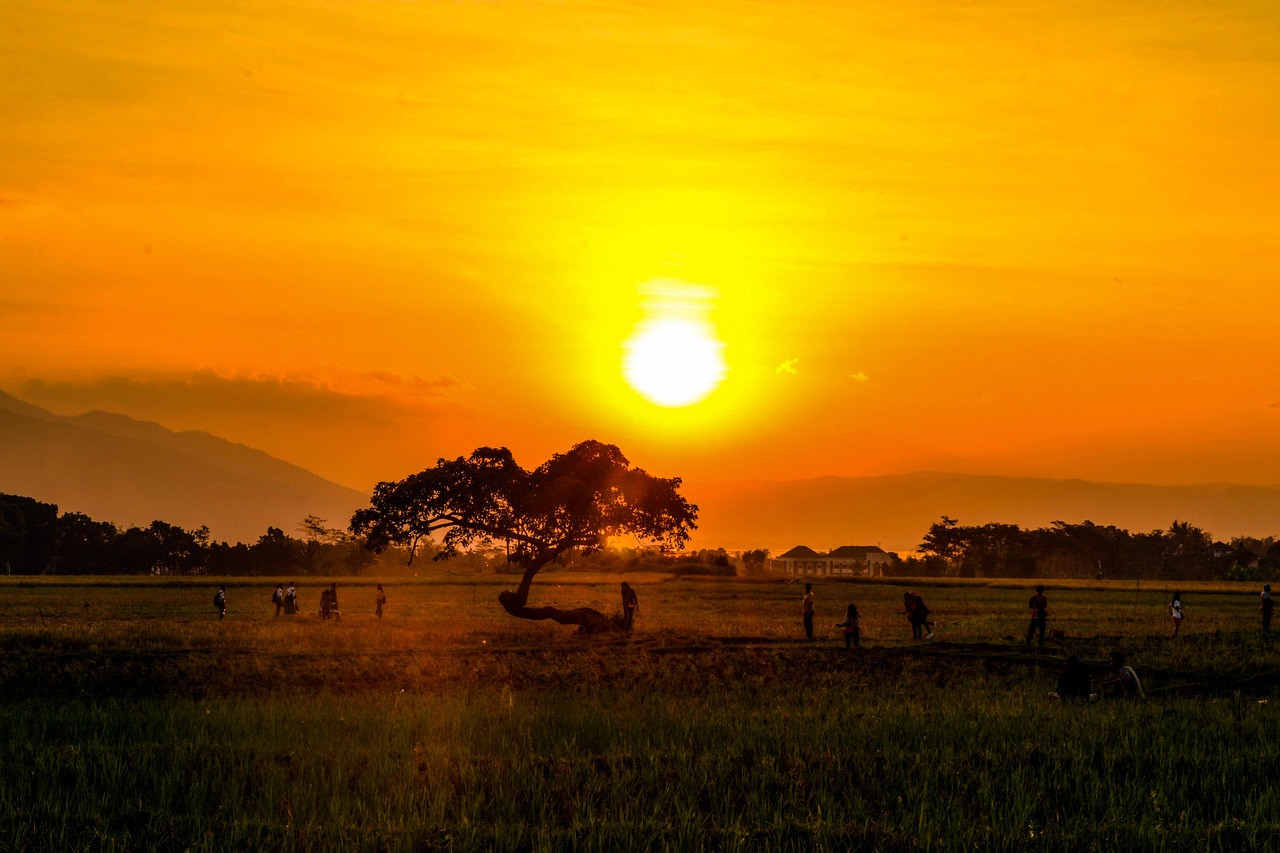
[(36, 539), (1088, 550)]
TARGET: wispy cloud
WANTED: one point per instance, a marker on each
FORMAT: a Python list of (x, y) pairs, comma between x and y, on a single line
[(860, 377), (788, 366)]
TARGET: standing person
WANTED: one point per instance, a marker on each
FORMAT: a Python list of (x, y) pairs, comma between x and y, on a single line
[(807, 610), (291, 600), (1124, 681), (379, 599), (220, 602), (1039, 615), (324, 603), (851, 626), (277, 598), (1175, 611), (334, 612), (630, 604), (1266, 607)]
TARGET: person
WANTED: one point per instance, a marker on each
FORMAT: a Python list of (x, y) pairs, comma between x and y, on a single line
[(807, 610), (1266, 607), (1073, 683), (630, 603), (1124, 681), (909, 608), (379, 599), (1175, 611), (277, 598), (850, 626), (291, 600), (918, 613), (1039, 615), (329, 602), (220, 602)]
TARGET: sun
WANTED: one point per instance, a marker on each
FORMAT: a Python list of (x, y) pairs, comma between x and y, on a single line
[(674, 358)]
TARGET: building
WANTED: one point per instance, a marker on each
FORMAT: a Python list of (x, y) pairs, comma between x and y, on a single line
[(866, 561)]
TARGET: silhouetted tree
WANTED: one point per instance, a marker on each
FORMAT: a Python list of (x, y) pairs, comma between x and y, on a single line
[(574, 501)]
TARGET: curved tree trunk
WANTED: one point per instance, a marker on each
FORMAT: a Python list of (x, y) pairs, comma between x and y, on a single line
[(588, 619)]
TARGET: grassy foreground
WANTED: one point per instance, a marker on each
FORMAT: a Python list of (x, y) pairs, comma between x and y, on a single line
[(146, 724)]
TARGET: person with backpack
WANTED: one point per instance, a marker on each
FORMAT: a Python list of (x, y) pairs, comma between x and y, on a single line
[(220, 602)]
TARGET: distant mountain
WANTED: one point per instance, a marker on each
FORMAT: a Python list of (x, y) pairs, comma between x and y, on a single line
[(896, 511), (130, 472)]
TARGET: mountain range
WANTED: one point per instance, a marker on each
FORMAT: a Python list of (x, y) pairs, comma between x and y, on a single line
[(130, 472)]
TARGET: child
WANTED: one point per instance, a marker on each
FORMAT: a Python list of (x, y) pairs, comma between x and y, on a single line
[(1175, 612), (220, 602), (850, 626), (378, 600)]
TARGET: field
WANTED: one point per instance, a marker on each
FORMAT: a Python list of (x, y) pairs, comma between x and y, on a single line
[(136, 720)]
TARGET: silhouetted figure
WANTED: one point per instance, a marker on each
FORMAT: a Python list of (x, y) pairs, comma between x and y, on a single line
[(851, 627), (1266, 607), (1124, 681), (1175, 612), (1039, 615), (630, 604), (277, 598), (220, 602), (1073, 683), (329, 603), (379, 599), (807, 610), (291, 600), (918, 615)]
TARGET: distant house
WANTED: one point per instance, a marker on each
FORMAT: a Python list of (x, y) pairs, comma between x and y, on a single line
[(1243, 556), (866, 561)]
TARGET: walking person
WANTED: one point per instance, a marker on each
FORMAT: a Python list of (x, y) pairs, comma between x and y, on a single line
[(851, 626), (1175, 611), (291, 600), (379, 599), (1039, 615), (220, 602), (920, 612), (630, 604), (807, 610), (1266, 607), (277, 598)]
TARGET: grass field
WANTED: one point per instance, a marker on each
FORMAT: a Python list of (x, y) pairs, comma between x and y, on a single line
[(136, 720)]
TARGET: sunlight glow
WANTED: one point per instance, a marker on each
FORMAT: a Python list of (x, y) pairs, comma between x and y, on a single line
[(674, 358)]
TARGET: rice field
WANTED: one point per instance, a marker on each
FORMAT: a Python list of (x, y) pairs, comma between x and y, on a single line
[(135, 719)]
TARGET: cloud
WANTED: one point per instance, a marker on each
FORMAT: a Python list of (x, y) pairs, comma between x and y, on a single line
[(369, 397), (860, 377), (788, 366)]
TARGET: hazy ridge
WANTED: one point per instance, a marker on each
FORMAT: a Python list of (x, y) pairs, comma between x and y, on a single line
[(896, 511), (130, 472)]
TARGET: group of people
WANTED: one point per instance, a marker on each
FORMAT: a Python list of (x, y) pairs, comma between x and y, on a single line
[(286, 601), (917, 613)]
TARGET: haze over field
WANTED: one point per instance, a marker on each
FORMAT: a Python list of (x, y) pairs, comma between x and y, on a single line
[(739, 240)]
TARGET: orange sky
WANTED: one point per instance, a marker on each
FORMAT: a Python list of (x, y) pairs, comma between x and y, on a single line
[(1008, 237)]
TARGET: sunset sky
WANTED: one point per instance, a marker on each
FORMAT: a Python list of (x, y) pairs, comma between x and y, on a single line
[(994, 237)]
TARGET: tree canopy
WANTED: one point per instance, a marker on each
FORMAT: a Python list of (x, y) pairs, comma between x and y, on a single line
[(576, 500)]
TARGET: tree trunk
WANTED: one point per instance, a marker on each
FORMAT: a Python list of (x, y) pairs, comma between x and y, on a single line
[(588, 619)]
